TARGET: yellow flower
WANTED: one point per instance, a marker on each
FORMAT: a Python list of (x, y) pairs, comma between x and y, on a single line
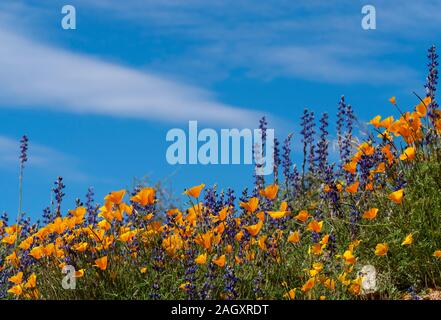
[(325, 239), (26, 244), (437, 253), (349, 257), (79, 273), (408, 240), (143, 270), (316, 249), (10, 239), (115, 197), (330, 284), (370, 214), (397, 196), (254, 229), (222, 215), (302, 216), (381, 249), (201, 259), (308, 285), (251, 205), (270, 192), (13, 259), (261, 243), (104, 224), (355, 287), (79, 212), (375, 121), (32, 281), (276, 214), (393, 100), (80, 247), (101, 263), (172, 243), (128, 236), (317, 266), (350, 167), (16, 290), (294, 237), (37, 252), (291, 294), (408, 154), (220, 262), (386, 123), (184, 286), (315, 226), (261, 216), (343, 279), (421, 108), (205, 239), (145, 196), (17, 279), (194, 191), (353, 188)]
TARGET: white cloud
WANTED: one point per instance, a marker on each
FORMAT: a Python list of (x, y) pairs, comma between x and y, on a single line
[(329, 64), (288, 38), (33, 75)]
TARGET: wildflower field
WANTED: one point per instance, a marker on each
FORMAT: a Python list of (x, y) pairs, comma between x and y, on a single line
[(365, 227)]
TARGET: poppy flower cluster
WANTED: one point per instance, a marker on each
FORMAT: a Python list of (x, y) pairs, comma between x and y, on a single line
[(299, 235)]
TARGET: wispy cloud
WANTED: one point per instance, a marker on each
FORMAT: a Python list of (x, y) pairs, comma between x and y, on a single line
[(302, 39), (34, 75), (40, 157)]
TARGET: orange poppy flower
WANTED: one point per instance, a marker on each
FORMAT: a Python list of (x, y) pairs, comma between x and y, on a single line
[(194, 191)]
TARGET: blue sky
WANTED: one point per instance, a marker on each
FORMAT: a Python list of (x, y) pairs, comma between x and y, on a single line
[(97, 102)]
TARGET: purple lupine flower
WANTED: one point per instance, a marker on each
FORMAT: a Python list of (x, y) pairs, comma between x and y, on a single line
[(305, 139), (230, 283), (23, 150), (47, 216), (257, 285), (413, 294), (231, 197), (189, 274), (347, 141), (157, 257), (59, 194), (341, 115), (333, 195), (332, 244), (263, 125), (244, 196), (286, 160), (276, 160), (210, 199), (295, 180), (354, 217), (208, 286), (90, 207), (432, 81), (345, 120), (322, 145), (155, 295), (311, 134), (4, 217)]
